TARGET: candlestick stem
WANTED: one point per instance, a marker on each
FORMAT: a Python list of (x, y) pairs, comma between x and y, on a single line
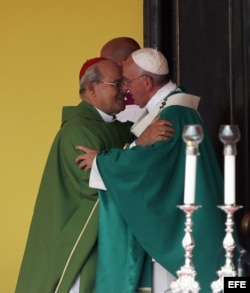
[(186, 275), (228, 270)]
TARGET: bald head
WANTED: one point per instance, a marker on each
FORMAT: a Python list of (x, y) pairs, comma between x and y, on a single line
[(118, 49)]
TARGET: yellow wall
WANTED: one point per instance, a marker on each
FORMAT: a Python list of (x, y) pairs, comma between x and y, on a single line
[(42, 46)]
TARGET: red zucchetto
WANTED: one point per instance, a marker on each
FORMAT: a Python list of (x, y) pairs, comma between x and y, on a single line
[(87, 64)]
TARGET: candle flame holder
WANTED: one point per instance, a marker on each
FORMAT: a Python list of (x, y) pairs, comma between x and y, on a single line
[(228, 270), (186, 275), (193, 135), (229, 135)]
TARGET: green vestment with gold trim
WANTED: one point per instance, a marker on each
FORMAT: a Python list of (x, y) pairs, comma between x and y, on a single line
[(64, 205), (144, 187)]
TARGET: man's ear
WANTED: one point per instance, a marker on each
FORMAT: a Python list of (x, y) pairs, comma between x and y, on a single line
[(149, 81), (91, 86)]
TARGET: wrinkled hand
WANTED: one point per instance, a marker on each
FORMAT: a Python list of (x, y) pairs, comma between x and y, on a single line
[(158, 130), (85, 160)]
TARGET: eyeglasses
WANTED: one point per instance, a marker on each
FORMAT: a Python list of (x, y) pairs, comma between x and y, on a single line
[(127, 81), (117, 84)]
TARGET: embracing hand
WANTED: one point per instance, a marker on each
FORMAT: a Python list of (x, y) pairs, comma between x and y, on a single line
[(85, 161), (158, 130)]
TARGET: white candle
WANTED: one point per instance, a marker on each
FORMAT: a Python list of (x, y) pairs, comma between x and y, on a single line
[(229, 180), (190, 179)]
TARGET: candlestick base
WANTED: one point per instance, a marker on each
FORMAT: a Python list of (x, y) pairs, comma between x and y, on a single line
[(228, 270), (186, 275)]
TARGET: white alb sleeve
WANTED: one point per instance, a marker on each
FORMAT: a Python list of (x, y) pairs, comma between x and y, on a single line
[(95, 179)]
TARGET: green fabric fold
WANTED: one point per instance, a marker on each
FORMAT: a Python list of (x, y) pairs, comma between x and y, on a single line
[(144, 187)]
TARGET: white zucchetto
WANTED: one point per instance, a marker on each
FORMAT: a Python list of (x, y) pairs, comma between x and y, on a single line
[(151, 60)]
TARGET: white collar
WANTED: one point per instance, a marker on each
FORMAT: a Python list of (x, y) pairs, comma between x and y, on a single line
[(161, 94), (107, 118)]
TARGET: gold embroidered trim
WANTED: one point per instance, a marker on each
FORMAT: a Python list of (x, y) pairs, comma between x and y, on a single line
[(126, 146), (73, 249), (143, 289)]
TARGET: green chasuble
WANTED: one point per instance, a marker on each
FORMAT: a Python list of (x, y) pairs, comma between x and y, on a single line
[(62, 240), (144, 187)]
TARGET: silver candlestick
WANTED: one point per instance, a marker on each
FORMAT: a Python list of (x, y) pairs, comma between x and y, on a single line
[(228, 135), (228, 270), (192, 135), (186, 275)]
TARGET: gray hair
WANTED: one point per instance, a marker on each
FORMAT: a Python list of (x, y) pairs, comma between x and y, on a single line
[(92, 74), (159, 79)]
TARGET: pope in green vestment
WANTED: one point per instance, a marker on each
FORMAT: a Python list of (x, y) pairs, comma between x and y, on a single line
[(62, 241), (144, 187)]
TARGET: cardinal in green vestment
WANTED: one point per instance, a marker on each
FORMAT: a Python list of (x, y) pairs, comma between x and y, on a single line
[(62, 241), (67, 207)]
